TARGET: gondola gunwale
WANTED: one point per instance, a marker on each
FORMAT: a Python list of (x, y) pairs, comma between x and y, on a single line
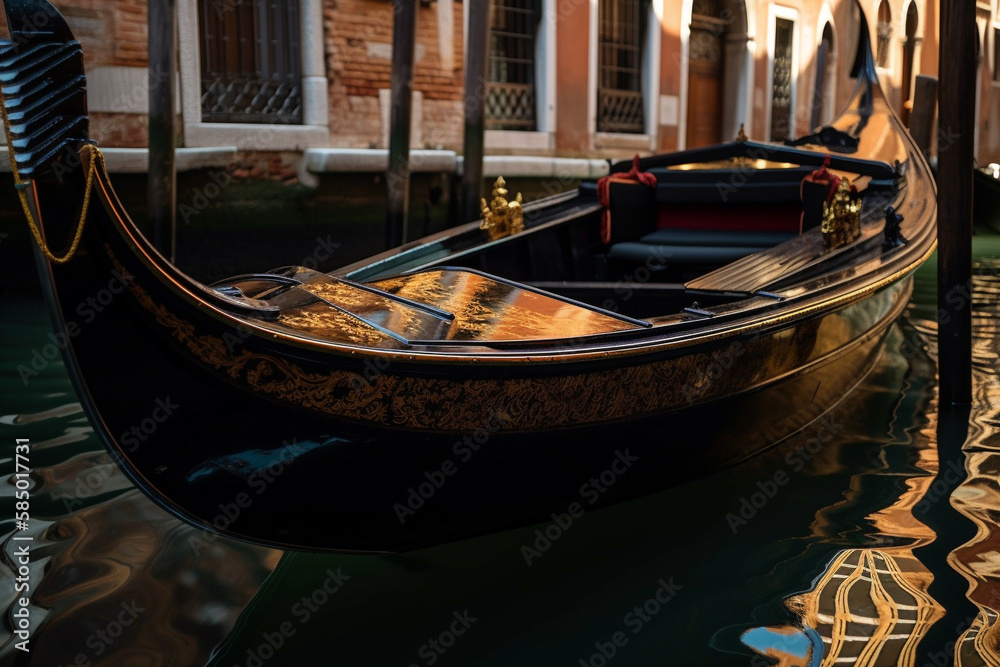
[(807, 301), (602, 370), (697, 331)]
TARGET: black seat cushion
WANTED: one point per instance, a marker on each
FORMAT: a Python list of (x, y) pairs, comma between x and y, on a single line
[(716, 237), (656, 255)]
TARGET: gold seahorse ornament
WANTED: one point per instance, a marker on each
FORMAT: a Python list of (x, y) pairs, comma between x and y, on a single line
[(502, 218)]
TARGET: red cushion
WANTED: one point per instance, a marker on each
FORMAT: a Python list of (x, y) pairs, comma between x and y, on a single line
[(768, 218)]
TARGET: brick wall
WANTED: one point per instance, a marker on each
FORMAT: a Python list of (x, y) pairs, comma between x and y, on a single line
[(443, 123), (358, 39), (120, 130), (112, 34)]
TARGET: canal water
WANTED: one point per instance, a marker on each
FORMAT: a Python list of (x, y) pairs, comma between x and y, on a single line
[(873, 537)]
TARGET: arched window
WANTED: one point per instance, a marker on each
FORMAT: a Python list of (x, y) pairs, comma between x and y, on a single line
[(621, 45), (909, 50), (783, 78), (884, 34), (251, 68), (822, 101), (996, 53)]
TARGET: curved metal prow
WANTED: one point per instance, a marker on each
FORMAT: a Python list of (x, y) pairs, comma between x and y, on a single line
[(44, 88), (35, 21), (864, 60)]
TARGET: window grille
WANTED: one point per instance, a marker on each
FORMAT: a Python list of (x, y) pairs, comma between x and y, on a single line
[(622, 26), (781, 80), (250, 62), (510, 98)]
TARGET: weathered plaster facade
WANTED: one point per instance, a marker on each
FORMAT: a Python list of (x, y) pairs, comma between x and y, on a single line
[(346, 48)]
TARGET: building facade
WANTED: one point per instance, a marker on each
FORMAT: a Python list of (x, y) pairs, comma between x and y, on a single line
[(566, 78)]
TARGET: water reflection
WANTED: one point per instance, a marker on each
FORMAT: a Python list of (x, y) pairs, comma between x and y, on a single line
[(978, 496), (871, 605), (113, 578), (880, 546), (909, 604)]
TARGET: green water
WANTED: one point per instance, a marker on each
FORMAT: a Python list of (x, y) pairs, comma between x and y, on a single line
[(723, 570)]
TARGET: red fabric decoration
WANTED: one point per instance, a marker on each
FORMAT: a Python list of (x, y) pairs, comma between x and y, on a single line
[(634, 175), (823, 175)]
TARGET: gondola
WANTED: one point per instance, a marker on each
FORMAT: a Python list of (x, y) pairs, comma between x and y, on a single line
[(682, 314)]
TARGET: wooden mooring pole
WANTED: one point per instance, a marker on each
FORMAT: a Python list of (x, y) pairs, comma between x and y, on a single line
[(404, 39), (475, 107), (957, 118), (162, 179)]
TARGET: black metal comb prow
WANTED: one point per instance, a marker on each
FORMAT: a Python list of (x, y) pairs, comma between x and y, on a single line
[(44, 88)]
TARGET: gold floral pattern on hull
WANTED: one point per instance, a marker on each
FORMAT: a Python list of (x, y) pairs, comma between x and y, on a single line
[(443, 404)]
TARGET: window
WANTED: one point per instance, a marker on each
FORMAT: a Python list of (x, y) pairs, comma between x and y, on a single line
[(622, 31), (884, 34), (250, 62), (996, 54), (781, 80), (910, 42), (511, 96), (825, 79)]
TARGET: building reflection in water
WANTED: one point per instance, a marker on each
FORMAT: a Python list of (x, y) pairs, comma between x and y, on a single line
[(119, 581), (872, 606)]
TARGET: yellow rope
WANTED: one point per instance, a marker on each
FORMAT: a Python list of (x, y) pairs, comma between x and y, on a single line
[(95, 157)]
